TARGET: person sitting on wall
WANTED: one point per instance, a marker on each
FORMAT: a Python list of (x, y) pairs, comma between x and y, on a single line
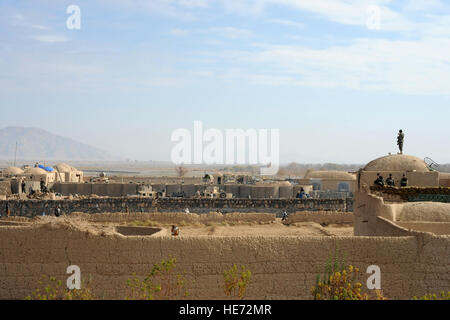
[(376, 180), (175, 231), (404, 181), (380, 181), (390, 181)]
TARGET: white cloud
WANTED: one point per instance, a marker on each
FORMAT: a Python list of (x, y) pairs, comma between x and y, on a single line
[(19, 20), (438, 26), (353, 12), (231, 32), (51, 38), (225, 32), (172, 8), (18, 17), (84, 69), (38, 27), (179, 32), (288, 23), (348, 12), (422, 5), (192, 3), (412, 67), (245, 7), (343, 11)]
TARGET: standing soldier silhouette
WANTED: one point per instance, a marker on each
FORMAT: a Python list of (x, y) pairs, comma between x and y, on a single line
[(400, 140)]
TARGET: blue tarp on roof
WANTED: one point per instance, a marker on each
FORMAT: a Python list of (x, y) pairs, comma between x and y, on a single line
[(48, 169)]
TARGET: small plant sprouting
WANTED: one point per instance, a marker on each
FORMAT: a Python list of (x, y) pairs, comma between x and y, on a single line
[(160, 284), (236, 281), (52, 289), (429, 297)]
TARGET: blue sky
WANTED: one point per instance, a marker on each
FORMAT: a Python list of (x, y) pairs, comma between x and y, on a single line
[(137, 70)]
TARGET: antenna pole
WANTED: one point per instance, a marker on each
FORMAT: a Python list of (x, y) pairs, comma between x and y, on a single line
[(15, 155)]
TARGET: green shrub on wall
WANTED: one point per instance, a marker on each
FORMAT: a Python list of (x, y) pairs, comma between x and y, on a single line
[(52, 289), (161, 283), (236, 282), (340, 282)]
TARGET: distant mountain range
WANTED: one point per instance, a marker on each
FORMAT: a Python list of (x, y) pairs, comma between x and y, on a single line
[(38, 144)]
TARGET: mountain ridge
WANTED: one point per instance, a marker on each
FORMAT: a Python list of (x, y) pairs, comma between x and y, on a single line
[(37, 143)]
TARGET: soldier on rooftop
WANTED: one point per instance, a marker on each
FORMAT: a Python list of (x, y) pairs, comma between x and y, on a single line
[(400, 140)]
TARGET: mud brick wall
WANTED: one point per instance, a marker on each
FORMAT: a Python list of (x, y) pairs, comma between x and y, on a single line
[(244, 191), (179, 217), (5, 187), (31, 208), (282, 267), (369, 208), (437, 194)]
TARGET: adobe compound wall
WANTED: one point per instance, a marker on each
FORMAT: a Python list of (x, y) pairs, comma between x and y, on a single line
[(31, 208), (243, 191), (372, 213), (282, 267), (413, 194), (178, 217), (5, 188)]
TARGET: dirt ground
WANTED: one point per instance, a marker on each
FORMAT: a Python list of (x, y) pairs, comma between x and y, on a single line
[(273, 229), (256, 229)]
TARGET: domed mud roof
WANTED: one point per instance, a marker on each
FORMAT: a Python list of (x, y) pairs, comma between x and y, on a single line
[(36, 171), (399, 162), (13, 171), (331, 175)]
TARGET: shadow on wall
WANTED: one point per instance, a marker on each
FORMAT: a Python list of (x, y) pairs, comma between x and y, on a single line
[(137, 231), (12, 224)]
